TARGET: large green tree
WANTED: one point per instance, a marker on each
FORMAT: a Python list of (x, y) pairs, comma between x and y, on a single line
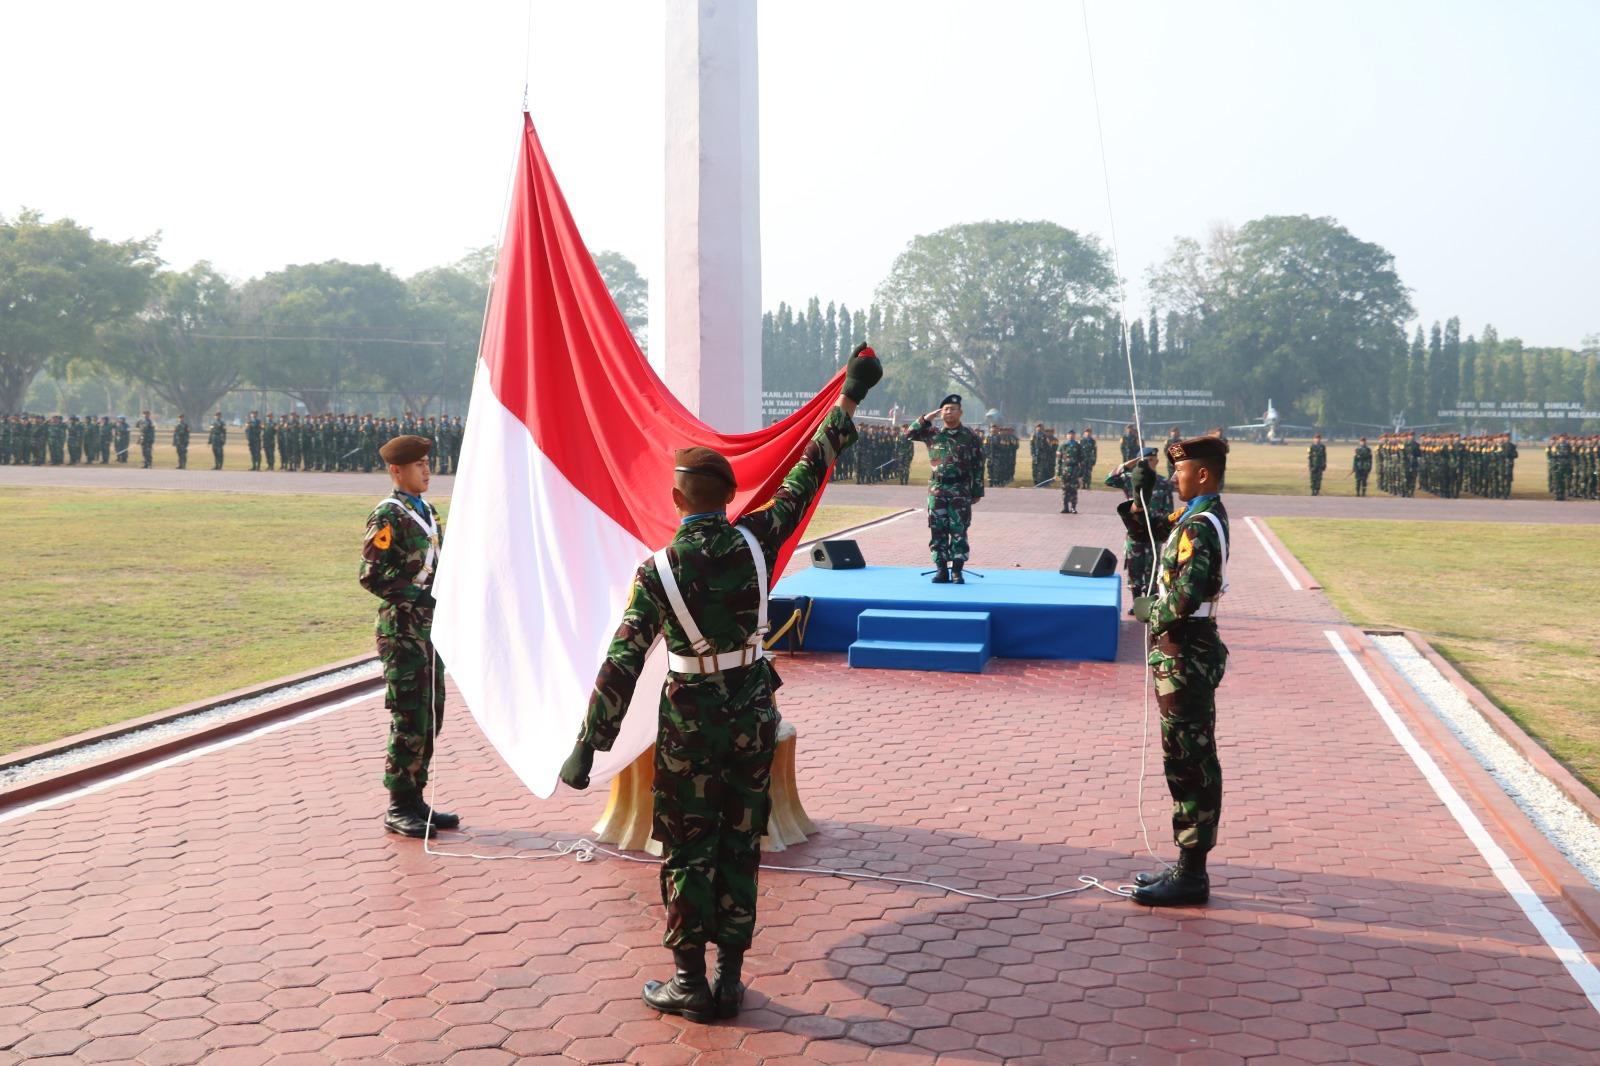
[(436, 361), (1290, 307), (58, 284), (1004, 310), (323, 327), (629, 289), (182, 346)]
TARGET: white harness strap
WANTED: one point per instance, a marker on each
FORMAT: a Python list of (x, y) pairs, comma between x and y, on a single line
[(429, 527), (705, 660), (1207, 609)]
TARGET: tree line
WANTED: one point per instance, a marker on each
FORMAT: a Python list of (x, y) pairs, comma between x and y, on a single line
[(1012, 314)]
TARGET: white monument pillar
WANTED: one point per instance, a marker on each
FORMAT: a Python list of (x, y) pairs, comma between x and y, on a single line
[(712, 284)]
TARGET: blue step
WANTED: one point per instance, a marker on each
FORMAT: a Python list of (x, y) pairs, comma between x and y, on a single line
[(956, 627), (953, 657)]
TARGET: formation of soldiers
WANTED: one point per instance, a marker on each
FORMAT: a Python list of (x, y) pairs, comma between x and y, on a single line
[(330, 443), (1444, 464), (1000, 447), (1572, 466), (881, 456), (1045, 447), (35, 440)]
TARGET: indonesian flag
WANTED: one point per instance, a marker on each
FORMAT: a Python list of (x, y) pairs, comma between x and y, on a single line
[(566, 487)]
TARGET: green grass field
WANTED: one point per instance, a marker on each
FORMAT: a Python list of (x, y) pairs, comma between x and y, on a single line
[(127, 604), (1275, 469), (1510, 604)]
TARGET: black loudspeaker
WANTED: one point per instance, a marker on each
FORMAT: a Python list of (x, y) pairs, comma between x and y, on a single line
[(1084, 561), (837, 555)]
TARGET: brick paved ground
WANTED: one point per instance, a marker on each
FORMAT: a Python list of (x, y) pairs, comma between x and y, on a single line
[(244, 906)]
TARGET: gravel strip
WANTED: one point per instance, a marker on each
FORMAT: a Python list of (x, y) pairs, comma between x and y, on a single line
[(189, 723), (1563, 822)]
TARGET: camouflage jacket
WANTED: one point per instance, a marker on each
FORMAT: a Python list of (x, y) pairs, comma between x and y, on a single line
[(180, 435), (394, 565), (1130, 446), (1317, 457), (1361, 462), (218, 434), (712, 566), (1191, 563), (1158, 495), (956, 456), (1069, 454)]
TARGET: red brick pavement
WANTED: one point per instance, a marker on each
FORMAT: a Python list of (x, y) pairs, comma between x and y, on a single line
[(244, 906)]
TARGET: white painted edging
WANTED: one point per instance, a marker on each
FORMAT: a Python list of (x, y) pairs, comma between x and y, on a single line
[(1288, 575), (1549, 926), (182, 757)]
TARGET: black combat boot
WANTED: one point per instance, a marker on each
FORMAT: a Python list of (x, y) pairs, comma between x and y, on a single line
[(687, 994), (943, 576), (955, 573), (440, 819), (403, 815), (726, 988), (1186, 884)]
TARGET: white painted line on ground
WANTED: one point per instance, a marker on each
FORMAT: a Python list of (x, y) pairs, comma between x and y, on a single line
[(1288, 576), (864, 527), (182, 757), (1549, 926)]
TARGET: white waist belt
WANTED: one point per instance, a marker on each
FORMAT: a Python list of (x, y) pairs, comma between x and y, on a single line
[(748, 655), (1205, 610)]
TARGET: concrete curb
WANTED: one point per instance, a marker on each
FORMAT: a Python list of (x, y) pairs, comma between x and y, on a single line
[(1510, 731), (1301, 574), (126, 760), (1500, 809)]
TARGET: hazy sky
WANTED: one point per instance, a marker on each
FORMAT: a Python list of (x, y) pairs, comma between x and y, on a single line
[(1462, 136)]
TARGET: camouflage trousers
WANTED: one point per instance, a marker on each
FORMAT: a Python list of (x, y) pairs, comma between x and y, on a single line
[(949, 515), (713, 770), (1316, 482), (1138, 560), (216, 456), (1186, 673), (1069, 494), (144, 454), (1361, 482), (413, 680)]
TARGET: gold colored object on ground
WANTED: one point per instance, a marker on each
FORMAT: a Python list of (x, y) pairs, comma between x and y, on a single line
[(626, 820)]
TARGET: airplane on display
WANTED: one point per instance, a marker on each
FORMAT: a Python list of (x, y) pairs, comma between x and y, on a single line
[(1270, 428)]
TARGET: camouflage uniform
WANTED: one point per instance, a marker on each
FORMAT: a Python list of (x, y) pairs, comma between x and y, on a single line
[(1316, 463), (1138, 555), (147, 440), (1187, 661), (252, 439), (1361, 467), (397, 567), (1090, 449), (717, 731), (1069, 468), (180, 441), (954, 485), (217, 437)]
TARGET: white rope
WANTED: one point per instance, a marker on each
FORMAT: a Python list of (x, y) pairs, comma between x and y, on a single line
[(1138, 423)]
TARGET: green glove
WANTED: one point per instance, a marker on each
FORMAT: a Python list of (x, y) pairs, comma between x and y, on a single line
[(575, 771), (1139, 480), (1141, 608), (862, 372)]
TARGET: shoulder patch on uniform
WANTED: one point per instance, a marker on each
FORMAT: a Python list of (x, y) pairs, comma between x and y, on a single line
[(1175, 515), (1185, 547), (383, 538)]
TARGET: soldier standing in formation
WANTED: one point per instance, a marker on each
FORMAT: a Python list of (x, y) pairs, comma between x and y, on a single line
[(217, 436), (107, 430), (1069, 471), (147, 438), (1361, 466), (954, 485), (180, 441), (1187, 661), (74, 441), (1316, 462), (252, 439), (1090, 448), (398, 558), (1138, 477), (269, 440), (706, 593), (122, 438), (1129, 445), (57, 436), (91, 439)]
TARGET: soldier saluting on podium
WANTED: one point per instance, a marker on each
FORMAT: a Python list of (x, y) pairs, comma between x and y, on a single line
[(707, 593), (954, 485), (1187, 659)]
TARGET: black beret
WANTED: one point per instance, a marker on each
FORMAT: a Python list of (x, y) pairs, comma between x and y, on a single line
[(1198, 448), (952, 398), (704, 461), (404, 449)]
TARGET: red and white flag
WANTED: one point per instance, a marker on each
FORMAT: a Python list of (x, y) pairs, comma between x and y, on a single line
[(565, 487)]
